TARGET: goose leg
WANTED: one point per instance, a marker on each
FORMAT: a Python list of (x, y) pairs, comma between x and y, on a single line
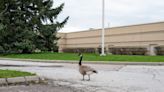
[(83, 77), (88, 77)]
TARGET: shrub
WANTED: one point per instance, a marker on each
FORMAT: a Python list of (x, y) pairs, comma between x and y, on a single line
[(160, 50), (128, 50), (82, 50)]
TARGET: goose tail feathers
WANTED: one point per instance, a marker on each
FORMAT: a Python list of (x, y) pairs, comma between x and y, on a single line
[(95, 71)]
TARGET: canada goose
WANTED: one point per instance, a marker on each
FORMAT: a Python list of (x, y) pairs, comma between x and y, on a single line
[(85, 70)]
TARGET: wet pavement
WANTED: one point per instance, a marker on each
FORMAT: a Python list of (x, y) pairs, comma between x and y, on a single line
[(110, 78)]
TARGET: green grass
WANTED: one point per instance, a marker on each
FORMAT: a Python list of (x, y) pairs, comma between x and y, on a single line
[(87, 57), (13, 73)]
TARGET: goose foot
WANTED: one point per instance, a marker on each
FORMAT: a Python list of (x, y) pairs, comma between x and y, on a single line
[(88, 80), (82, 80)]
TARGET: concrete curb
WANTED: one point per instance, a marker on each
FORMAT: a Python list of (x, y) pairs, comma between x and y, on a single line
[(20, 80), (87, 62)]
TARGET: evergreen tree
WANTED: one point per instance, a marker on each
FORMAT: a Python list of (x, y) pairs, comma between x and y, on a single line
[(24, 25)]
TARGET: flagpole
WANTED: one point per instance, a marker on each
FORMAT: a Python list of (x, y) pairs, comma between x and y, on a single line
[(103, 29)]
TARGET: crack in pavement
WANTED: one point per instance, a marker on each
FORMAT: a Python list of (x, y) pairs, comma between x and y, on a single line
[(87, 88), (79, 86), (153, 72)]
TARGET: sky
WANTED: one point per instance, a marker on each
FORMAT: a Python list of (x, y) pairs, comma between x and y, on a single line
[(86, 14)]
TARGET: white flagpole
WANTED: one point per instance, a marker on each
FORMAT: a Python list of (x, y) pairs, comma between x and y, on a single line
[(103, 29)]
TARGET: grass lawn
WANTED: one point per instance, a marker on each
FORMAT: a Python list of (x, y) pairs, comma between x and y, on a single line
[(87, 57), (13, 73)]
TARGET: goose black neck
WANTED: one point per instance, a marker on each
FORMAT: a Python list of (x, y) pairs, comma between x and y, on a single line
[(81, 58)]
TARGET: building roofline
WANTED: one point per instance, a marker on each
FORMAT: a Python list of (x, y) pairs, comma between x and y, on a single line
[(116, 27), (140, 24)]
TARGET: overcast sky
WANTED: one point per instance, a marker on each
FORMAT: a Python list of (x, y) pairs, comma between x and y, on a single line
[(86, 14)]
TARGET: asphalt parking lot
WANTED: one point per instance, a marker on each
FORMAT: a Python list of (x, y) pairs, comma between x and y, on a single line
[(35, 88), (110, 78)]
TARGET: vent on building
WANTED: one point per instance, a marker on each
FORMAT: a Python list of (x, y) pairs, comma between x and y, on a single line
[(91, 29)]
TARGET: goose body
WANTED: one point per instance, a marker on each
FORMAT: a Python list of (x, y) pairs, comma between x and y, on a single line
[(85, 70)]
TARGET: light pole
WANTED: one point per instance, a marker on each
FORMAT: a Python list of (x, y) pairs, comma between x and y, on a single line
[(103, 29)]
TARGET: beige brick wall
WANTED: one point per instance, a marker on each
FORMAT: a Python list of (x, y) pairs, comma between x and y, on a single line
[(141, 35)]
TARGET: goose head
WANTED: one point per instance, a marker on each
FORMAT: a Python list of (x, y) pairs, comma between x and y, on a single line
[(81, 55)]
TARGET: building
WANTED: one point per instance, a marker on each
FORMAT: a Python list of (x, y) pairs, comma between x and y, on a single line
[(141, 39)]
